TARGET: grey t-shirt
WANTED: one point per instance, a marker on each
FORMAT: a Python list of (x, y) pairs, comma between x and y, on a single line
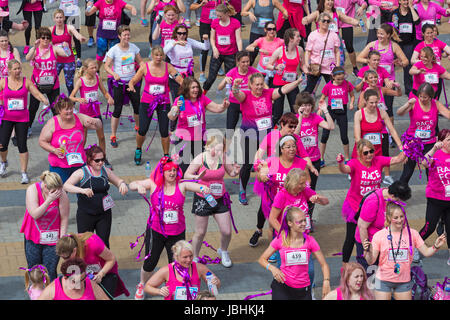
[(124, 61)]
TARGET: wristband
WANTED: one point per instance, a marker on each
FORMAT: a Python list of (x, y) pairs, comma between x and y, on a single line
[(256, 50), (435, 248)]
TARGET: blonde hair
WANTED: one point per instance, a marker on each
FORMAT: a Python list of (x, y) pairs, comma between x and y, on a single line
[(205, 295), (36, 276), (180, 245), (12, 62), (214, 140), (59, 11), (226, 9), (289, 211), (292, 178), (158, 49), (85, 66), (390, 208), (363, 143), (67, 243), (52, 180)]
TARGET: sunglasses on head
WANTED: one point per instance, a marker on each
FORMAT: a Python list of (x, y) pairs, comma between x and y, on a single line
[(99, 160), (371, 151)]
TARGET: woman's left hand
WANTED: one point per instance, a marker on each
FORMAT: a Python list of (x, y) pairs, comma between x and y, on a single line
[(440, 241)]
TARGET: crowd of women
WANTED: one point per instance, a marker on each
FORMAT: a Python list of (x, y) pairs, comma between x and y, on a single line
[(297, 49)]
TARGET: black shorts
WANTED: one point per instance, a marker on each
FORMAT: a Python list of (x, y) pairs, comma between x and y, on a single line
[(89, 20), (201, 207)]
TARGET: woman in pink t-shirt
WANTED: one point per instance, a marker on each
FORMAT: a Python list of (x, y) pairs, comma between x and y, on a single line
[(291, 281), (365, 172), (393, 245), (438, 187), (428, 13), (166, 24)]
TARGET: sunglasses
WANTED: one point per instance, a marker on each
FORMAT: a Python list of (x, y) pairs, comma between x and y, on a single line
[(181, 33), (271, 29), (45, 37), (371, 151), (326, 21), (292, 127), (99, 160)]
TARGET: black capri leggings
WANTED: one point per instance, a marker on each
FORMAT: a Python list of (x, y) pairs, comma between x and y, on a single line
[(118, 93), (163, 120), (250, 147), (233, 112), (347, 35), (436, 209), (100, 223), (205, 28), (20, 128), (409, 166), (311, 81), (349, 242), (214, 66), (281, 291), (27, 15), (342, 122), (158, 242), (34, 103)]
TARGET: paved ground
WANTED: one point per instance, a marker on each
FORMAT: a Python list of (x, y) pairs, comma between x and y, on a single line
[(246, 276)]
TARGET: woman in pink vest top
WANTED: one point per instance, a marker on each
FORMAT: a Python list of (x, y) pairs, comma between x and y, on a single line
[(73, 285), (182, 277), (45, 221), (63, 137), (209, 168)]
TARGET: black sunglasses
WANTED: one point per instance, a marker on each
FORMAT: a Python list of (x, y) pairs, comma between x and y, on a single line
[(271, 29), (46, 37), (326, 21), (98, 160), (182, 33), (371, 151)]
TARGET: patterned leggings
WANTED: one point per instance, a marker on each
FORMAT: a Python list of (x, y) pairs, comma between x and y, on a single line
[(69, 73), (42, 254)]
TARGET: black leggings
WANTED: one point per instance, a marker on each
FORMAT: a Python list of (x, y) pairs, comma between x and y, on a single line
[(214, 66), (436, 209), (27, 15), (261, 219), (100, 223), (281, 291), (34, 103), (163, 120), (342, 122), (278, 105), (21, 129), (311, 81), (158, 242), (118, 94), (233, 112), (349, 242), (347, 36), (205, 28), (409, 166)]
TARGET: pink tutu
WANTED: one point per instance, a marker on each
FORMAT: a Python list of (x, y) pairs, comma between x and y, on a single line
[(348, 214)]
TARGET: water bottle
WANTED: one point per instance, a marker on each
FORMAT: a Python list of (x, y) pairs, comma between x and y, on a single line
[(148, 169), (304, 81), (363, 25), (280, 72), (395, 20), (66, 50), (228, 88), (209, 198), (211, 287), (182, 100), (63, 147), (88, 8)]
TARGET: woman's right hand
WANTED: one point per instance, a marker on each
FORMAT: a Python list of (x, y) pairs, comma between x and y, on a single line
[(340, 158), (141, 190), (54, 194), (366, 245), (278, 275), (88, 192), (164, 291), (59, 153), (116, 76), (216, 53)]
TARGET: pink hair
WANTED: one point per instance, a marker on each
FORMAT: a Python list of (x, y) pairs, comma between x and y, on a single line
[(347, 271), (164, 164)]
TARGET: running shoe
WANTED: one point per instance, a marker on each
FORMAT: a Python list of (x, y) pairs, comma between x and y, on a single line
[(197, 23), (388, 180), (25, 179), (273, 257), (202, 78), (355, 71), (144, 22), (113, 141), (26, 49), (254, 239), (243, 198), (74, 50), (187, 23), (2, 169), (138, 157), (139, 295), (90, 42), (221, 72), (224, 258), (448, 262), (322, 163)]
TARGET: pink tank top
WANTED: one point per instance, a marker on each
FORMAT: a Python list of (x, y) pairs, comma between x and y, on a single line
[(387, 59), (4, 64), (91, 95), (16, 103), (58, 40), (87, 295), (46, 229), (155, 86), (177, 289), (173, 216), (75, 156), (290, 71), (423, 124), (44, 70), (339, 294), (213, 178)]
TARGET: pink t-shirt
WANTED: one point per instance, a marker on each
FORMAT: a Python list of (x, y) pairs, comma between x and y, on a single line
[(438, 186), (316, 43), (191, 121), (385, 271), (427, 16), (278, 172), (309, 133), (294, 261), (167, 30), (208, 12), (257, 111), (234, 74), (437, 46), (270, 143), (431, 76), (369, 214), (337, 94), (364, 179), (382, 74), (226, 36), (270, 46)]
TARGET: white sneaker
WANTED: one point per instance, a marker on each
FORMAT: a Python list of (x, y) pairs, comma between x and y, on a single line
[(139, 295), (2, 169), (224, 258), (388, 180), (349, 178), (197, 23), (25, 179)]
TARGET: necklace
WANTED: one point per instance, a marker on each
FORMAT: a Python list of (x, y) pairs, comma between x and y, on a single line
[(395, 254)]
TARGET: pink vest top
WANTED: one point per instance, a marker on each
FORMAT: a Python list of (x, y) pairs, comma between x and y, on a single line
[(176, 288), (16, 103), (290, 71), (75, 156), (155, 85), (87, 295), (4, 64), (58, 40), (44, 70), (91, 95), (173, 215), (423, 124), (213, 178), (46, 229), (387, 59)]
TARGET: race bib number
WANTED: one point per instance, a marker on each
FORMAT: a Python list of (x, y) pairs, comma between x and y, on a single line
[(170, 217), (309, 141), (340, 9), (184, 62), (216, 189), (327, 54), (265, 61), (423, 134), (93, 268), (296, 257), (212, 14), (333, 27), (337, 104), (296, 1), (109, 25), (180, 293), (264, 123), (157, 89), (49, 237), (431, 78), (128, 68), (15, 104), (289, 76), (402, 256), (387, 3), (405, 28), (388, 67), (74, 158), (382, 106), (108, 202), (447, 191), (91, 96), (223, 40), (428, 22), (375, 138), (193, 121), (68, 8), (46, 80)]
